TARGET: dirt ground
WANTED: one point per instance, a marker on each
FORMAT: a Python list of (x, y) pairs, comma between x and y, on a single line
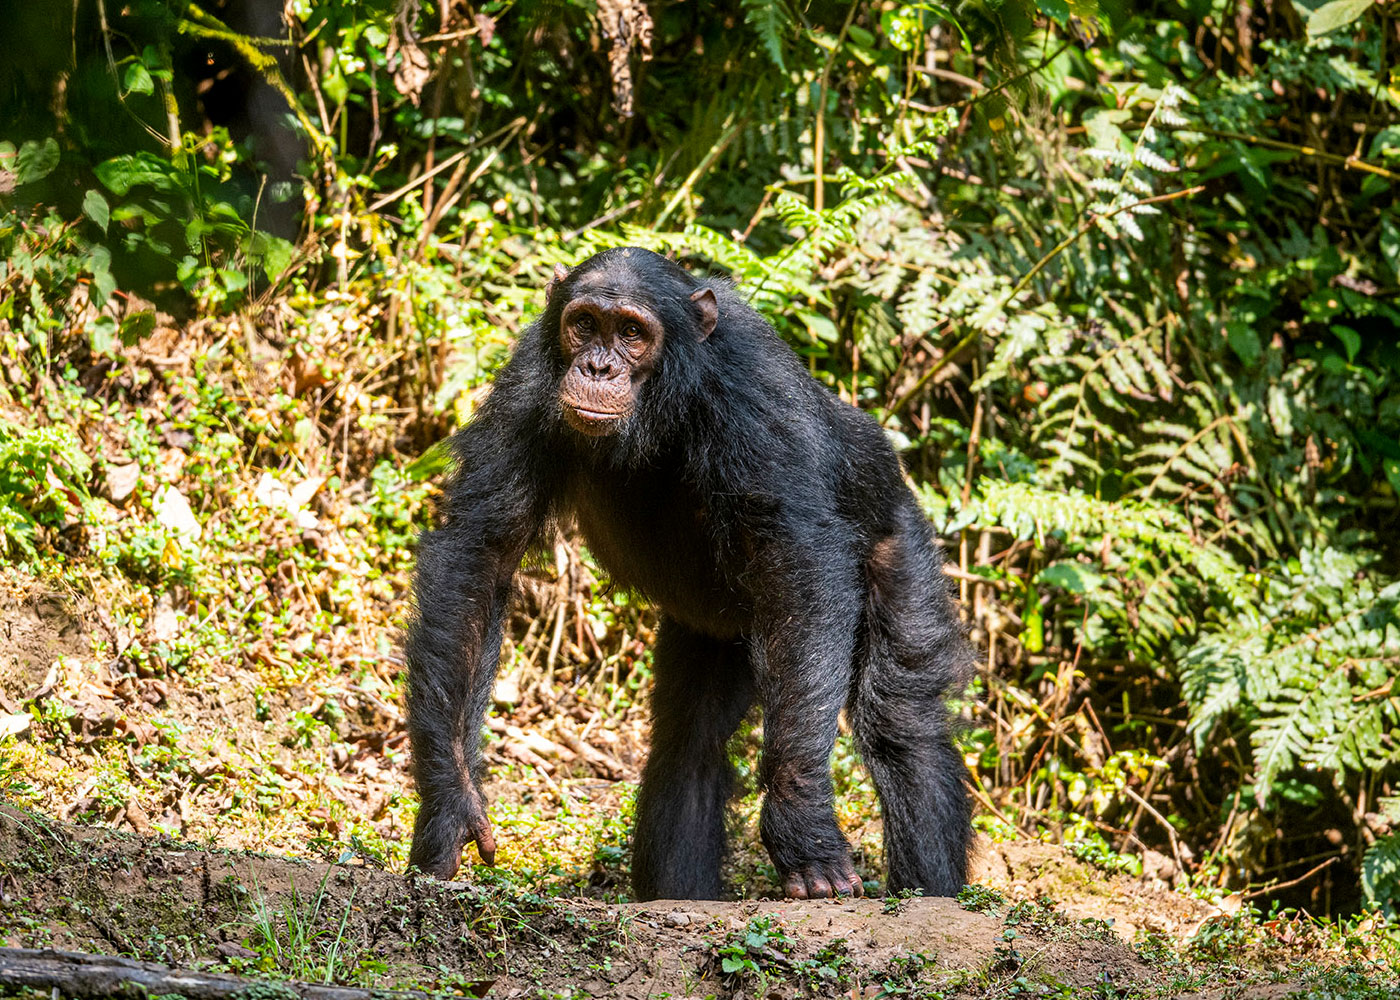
[(117, 893), (1039, 922)]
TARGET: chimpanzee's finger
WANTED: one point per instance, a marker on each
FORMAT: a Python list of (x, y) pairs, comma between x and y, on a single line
[(485, 842)]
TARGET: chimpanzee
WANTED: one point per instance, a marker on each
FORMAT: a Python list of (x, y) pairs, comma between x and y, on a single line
[(770, 525)]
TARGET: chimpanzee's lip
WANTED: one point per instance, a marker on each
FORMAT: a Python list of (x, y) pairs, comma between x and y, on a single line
[(593, 423)]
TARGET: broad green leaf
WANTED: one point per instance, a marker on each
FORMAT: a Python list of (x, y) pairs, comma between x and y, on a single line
[(334, 84), (137, 325), (861, 37), (1392, 473), (1351, 340), (819, 327), (1390, 245), (99, 265), (1033, 633), (1334, 15), (272, 252), (103, 337), (122, 173), (95, 208), (36, 160), (1244, 341), (138, 80), (1077, 578)]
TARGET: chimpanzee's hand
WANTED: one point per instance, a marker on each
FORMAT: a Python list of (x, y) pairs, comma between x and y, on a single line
[(444, 828)]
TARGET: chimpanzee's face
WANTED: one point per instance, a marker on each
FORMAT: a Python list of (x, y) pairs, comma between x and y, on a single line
[(612, 341), (611, 331)]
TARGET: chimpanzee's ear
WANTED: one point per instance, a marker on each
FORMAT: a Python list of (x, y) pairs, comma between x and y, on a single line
[(560, 273), (708, 309)]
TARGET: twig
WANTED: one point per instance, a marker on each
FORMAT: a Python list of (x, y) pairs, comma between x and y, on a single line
[(993, 91), (399, 192), (1087, 225), (715, 152), (1265, 890), (555, 641), (1166, 825), (930, 372), (986, 800), (947, 74), (1348, 162), (609, 766), (602, 220), (955, 573)]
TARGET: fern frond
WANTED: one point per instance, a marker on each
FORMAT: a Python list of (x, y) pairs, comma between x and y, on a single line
[(1380, 873), (769, 19)]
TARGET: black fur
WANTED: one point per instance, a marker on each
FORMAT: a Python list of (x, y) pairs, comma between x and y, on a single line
[(771, 525)]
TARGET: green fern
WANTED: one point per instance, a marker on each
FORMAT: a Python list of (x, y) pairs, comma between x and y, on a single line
[(1155, 569), (1118, 195), (1380, 870), (1114, 383), (769, 20), (1307, 668)]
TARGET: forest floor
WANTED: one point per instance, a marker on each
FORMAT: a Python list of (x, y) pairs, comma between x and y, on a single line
[(98, 890), (134, 828)]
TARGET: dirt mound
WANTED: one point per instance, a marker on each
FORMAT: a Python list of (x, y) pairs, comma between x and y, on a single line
[(36, 628), (1128, 904), (99, 890)]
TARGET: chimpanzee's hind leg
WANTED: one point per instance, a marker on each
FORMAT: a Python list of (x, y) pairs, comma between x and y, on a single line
[(704, 686), (913, 654)]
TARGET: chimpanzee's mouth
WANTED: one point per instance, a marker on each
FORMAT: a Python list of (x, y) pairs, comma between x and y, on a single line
[(593, 423)]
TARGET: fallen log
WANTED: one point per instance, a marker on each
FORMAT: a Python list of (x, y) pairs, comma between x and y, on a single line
[(80, 975)]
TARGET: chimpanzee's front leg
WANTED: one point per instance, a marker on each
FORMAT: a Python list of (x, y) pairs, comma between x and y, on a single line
[(453, 647), (495, 504), (803, 649)]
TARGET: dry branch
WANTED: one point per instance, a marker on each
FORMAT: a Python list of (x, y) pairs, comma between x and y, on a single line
[(75, 974)]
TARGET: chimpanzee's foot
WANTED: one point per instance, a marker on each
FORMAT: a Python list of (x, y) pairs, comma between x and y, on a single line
[(823, 880), (807, 847)]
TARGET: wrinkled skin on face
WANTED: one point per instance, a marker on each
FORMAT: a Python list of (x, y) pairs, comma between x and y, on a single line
[(613, 340), (612, 343)]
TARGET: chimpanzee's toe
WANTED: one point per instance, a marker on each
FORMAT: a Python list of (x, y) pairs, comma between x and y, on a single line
[(823, 882)]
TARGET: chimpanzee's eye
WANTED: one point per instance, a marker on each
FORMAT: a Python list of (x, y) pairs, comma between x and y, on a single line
[(631, 331), (585, 323)]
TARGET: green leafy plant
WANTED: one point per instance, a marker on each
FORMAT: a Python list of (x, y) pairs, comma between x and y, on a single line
[(42, 477)]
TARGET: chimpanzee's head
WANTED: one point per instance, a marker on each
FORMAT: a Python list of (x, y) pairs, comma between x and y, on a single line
[(616, 313)]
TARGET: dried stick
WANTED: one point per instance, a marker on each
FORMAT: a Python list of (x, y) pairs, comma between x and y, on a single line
[(79, 975)]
